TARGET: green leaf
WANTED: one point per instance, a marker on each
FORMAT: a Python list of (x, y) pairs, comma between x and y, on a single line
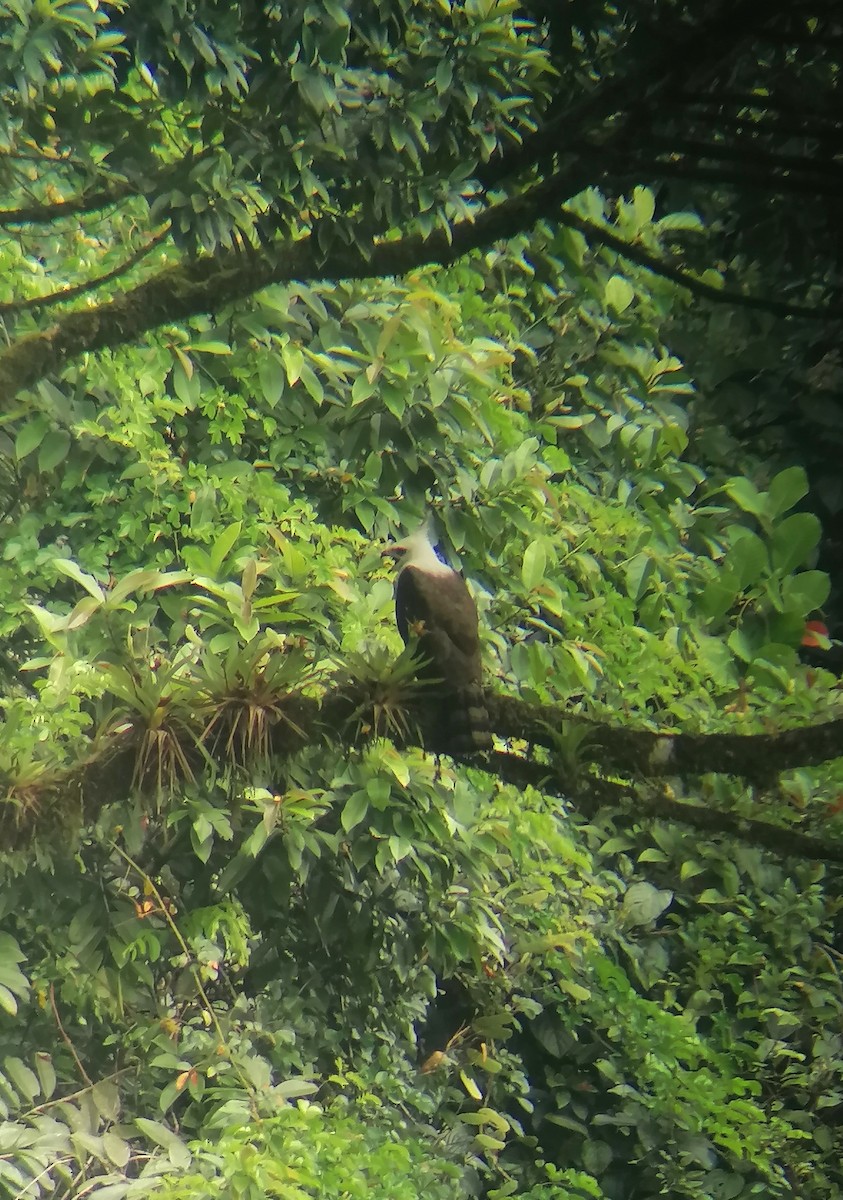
[(223, 545), (747, 559), (444, 76), (46, 1074), (144, 580), (643, 903), (786, 489), (354, 810), (680, 220), (271, 375), (177, 1151), (618, 293), (106, 1098), (806, 592), (615, 845), (746, 495), (639, 572), (12, 977), (742, 646), (293, 360), (487, 1142), (794, 540), (596, 1156), (362, 389), (54, 449), (314, 89), (533, 565), (644, 206), (30, 436), (651, 854), (66, 566), (575, 990), (312, 383), (294, 1089), (117, 1150), (25, 1080), (10, 951), (567, 1123)]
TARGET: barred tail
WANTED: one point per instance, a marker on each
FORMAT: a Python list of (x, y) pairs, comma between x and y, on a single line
[(465, 721)]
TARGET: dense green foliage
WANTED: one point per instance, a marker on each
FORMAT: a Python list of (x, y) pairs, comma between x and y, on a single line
[(243, 957)]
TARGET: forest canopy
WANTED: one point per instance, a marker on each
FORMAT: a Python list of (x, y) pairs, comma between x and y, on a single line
[(277, 281)]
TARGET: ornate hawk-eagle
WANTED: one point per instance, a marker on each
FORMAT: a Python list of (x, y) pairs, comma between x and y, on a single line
[(433, 608)]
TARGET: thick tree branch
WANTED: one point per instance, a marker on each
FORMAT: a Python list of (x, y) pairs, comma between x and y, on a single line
[(353, 715), (207, 284), (759, 756)]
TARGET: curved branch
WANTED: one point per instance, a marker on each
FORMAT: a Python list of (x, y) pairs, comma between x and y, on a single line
[(691, 283), (92, 202), (768, 181), (207, 284), (749, 150), (765, 126), (589, 796), (45, 214), (90, 285)]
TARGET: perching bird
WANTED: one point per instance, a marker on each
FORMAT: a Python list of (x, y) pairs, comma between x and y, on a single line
[(433, 608)]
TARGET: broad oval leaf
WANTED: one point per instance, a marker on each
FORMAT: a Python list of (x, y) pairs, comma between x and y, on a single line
[(354, 810), (618, 293), (53, 449), (786, 489), (30, 437), (794, 541), (533, 565)]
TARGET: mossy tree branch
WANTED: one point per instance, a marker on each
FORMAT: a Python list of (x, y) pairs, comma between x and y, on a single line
[(587, 779), (208, 283)]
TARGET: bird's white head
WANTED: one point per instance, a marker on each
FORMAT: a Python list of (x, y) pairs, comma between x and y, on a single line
[(417, 550)]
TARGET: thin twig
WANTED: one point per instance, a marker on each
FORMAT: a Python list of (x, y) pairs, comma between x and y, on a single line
[(66, 1039), (90, 285), (191, 960), (40, 1108)]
